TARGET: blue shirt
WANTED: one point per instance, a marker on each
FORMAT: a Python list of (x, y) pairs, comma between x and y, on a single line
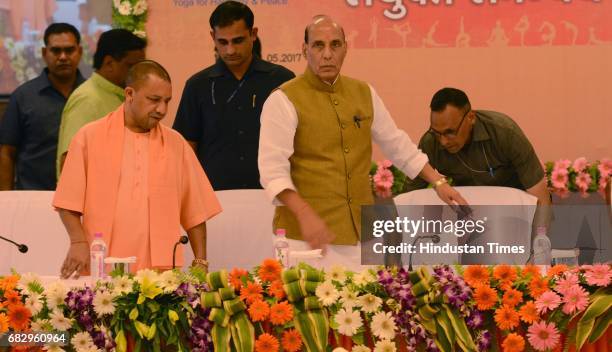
[(31, 123), (222, 114)]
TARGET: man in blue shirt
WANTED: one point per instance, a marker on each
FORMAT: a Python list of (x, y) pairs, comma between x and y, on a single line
[(29, 129), (219, 110)]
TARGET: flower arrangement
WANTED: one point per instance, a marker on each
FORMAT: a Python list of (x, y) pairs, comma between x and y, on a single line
[(270, 308), (131, 15), (565, 176)]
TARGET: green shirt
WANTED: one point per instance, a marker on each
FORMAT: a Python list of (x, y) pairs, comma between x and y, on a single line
[(498, 154), (93, 99)]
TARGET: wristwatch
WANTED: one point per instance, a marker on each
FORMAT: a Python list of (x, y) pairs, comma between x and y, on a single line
[(442, 180)]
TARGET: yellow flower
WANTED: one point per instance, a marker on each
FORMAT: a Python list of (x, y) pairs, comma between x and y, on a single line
[(148, 289), (173, 316), (141, 328), (133, 313), (121, 342)]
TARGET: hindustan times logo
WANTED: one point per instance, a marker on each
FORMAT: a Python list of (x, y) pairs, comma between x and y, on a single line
[(413, 227)]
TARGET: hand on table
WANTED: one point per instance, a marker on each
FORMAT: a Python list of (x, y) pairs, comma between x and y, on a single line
[(76, 260), (314, 230)]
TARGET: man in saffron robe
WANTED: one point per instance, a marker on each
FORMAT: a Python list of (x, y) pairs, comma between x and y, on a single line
[(135, 181)]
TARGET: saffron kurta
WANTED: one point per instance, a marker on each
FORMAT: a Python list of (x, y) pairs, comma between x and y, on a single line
[(137, 189)]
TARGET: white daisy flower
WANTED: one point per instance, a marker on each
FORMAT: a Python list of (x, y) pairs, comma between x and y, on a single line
[(140, 7), (370, 303), (348, 298), (103, 303), (141, 34), (34, 303), (26, 280), (53, 348), (339, 349), (81, 341), (336, 273), (122, 284), (124, 9), (361, 348), (116, 3), (348, 322), (40, 325), (56, 294), (384, 346), (363, 278), (59, 321), (327, 293), (169, 281), (383, 325)]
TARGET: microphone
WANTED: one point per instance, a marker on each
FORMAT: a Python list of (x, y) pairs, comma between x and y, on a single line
[(22, 247), (434, 238), (182, 240)]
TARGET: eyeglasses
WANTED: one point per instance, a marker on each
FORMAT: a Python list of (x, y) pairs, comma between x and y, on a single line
[(449, 133)]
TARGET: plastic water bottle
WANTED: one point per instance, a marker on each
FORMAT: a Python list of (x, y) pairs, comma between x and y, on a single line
[(281, 247), (98, 253), (541, 247)]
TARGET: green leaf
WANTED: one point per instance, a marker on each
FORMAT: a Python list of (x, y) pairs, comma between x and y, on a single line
[(601, 326)]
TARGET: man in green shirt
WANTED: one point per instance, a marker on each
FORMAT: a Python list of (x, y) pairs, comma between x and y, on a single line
[(481, 148), (102, 93)]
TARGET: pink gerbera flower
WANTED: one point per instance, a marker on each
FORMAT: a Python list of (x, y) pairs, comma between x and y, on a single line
[(583, 180), (385, 164), (575, 299), (562, 164), (605, 167), (598, 275), (547, 301), (559, 178), (566, 282), (580, 164), (543, 336), (383, 177)]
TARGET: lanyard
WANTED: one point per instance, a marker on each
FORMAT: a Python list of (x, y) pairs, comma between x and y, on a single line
[(212, 91)]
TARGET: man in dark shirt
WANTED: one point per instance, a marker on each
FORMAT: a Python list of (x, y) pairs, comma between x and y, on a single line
[(221, 105), (29, 129)]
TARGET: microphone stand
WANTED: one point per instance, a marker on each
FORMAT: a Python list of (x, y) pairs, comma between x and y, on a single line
[(182, 240), (434, 238), (22, 247)]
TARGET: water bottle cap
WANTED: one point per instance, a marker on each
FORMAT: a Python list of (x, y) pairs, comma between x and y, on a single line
[(281, 232), (98, 235)]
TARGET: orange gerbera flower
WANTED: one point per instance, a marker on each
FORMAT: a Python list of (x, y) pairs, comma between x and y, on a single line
[(529, 313), (485, 297), (506, 274), (513, 343), (531, 270), (4, 323), (512, 297), (281, 313), (556, 270), (19, 317), (506, 318), (476, 275), (251, 292), (259, 310), (270, 270), (8, 283), (291, 340), (276, 289), (266, 343), (537, 286), (12, 298), (236, 276)]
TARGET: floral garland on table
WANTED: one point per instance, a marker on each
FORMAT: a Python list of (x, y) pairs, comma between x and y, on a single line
[(131, 15), (271, 309), (563, 176)]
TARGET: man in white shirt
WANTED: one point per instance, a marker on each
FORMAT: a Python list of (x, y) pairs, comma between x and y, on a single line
[(315, 149)]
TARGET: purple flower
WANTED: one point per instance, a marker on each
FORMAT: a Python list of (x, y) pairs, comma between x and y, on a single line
[(431, 346), (483, 341), (475, 319)]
